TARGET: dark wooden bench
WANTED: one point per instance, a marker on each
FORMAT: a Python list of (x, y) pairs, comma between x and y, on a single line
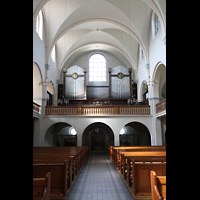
[(140, 177), (158, 186), (135, 163), (114, 150), (152, 154), (138, 159), (59, 177), (41, 187), (64, 163), (79, 154)]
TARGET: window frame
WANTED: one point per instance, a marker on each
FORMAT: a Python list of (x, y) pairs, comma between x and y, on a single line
[(39, 24), (97, 83)]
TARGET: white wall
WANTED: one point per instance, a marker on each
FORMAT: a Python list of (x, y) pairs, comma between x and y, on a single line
[(114, 122)]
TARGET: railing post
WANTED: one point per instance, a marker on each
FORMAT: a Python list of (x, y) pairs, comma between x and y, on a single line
[(116, 110), (79, 110)]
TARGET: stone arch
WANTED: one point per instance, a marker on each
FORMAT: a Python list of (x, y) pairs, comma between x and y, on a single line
[(135, 134), (159, 75), (51, 135), (37, 89), (98, 136)]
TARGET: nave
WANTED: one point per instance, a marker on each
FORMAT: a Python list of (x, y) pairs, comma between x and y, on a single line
[(99, 179)]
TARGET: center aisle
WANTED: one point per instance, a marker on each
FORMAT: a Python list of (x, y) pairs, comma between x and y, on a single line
[(99, 180)]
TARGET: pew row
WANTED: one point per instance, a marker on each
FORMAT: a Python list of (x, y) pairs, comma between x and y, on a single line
[(146, 154), (113, 153), (158, 186), (64, 163), (140, 177), (41, 187), (134, 165)]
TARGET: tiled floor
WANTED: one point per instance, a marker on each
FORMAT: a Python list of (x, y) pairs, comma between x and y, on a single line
[(99, 180)]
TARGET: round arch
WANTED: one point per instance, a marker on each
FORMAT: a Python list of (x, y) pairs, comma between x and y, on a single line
[(98, 136), (37, 89), (89, 48), (159, 74), (135, 134), (60, 134), (143, 90)]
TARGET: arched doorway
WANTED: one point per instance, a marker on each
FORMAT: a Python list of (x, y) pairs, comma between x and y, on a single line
[(98, 136), (60, 134), (159, 74), (37, 89), (134, 134)]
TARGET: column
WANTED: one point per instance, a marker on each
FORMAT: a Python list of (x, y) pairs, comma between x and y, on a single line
[(156, 123), (85, 89), (109, 71), (64, 77), (130, 80)]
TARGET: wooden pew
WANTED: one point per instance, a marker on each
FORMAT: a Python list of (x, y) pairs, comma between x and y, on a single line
[(64, 164), (140, 177), (79, 153), (114, 150), (158, 186), (41, 187), (138, 159), (61, 158), (59, 177), (152, 154)]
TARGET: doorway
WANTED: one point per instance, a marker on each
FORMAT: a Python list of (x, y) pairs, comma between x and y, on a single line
[(135, 134), (60, 135), (97, 137)]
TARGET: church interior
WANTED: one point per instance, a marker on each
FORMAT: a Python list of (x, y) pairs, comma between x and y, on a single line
[(99, 81)]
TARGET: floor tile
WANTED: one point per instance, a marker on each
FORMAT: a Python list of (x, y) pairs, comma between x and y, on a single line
[(99, 180)]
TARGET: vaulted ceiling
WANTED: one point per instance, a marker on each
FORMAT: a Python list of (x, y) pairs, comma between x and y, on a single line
[(117, 27)]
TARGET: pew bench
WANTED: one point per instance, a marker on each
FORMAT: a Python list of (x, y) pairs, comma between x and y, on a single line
[(113, 149), (52, 158), (158, 186), (127, 171), (152, 154), (140, 182), (41, 187), (60, 176), (64, 163)]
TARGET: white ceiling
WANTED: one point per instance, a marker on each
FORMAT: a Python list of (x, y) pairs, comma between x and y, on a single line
[(115, 26)]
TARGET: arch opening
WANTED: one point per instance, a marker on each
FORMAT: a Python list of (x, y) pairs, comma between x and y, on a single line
[(60, 134), (97, 137), (37, 89), (159, 89), (134, 134)]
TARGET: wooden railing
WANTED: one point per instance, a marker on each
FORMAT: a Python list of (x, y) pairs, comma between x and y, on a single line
[(98, 110), (36, 108), (161, 106)]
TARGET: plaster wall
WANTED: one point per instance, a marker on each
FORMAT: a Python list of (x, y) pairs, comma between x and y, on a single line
[(80, 123)]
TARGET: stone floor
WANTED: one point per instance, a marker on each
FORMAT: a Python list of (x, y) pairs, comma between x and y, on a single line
[(99, 180)]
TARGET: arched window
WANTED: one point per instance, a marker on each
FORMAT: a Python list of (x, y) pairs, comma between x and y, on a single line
[(39, 24), (53, 54), (154, 24), (97, 68)]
